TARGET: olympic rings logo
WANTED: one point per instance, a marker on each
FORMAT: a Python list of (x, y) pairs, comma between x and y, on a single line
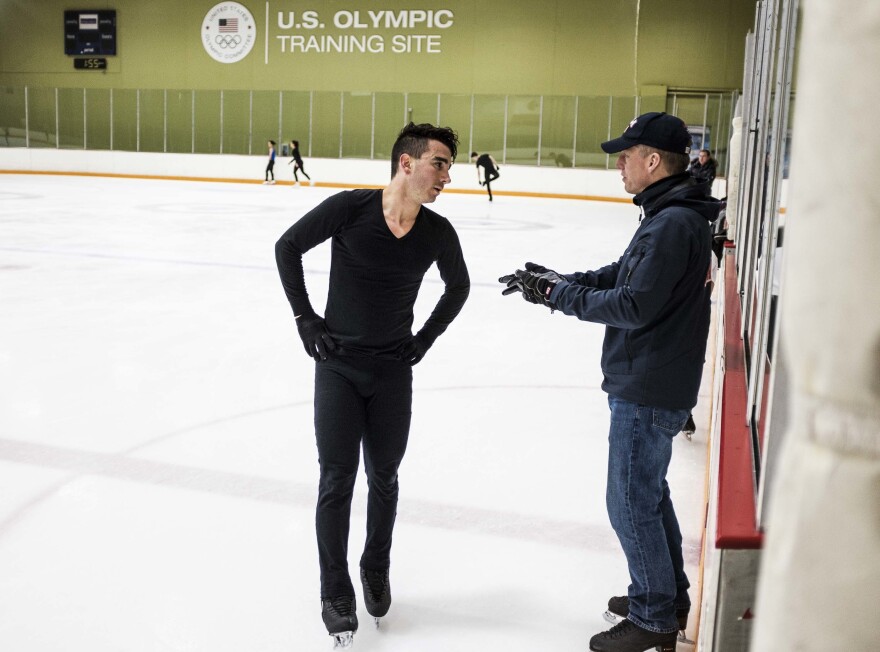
[(228, 32), (227, 41)]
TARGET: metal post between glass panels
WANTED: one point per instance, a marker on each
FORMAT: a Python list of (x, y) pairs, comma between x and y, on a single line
[(608, 137), (221, 120), (27, 124), (471, 134), (192, 123), (311, 108), (372, 126), (540, 126), (341, 120)]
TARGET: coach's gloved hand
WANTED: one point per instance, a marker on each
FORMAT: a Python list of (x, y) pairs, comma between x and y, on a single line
[(538, 269), (314, 336), (535, 288), (513, 285), (413, 350)]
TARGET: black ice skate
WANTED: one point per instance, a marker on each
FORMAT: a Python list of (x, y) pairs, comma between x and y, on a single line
[(618, 610), (340, 618), (626, 636), (377, 592)]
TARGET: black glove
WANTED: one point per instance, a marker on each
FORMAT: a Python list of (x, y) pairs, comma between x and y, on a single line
[(538, 269), (314, 336), (535, 288), (413, 350), (512, 284), (530, 267)]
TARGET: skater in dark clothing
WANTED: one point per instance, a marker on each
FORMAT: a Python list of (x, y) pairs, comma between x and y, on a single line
[(270, 166), (297, 163), (647, 300), (383, 243), (490, 169)]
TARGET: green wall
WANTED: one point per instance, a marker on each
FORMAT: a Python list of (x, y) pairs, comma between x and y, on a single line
[(553, 47)]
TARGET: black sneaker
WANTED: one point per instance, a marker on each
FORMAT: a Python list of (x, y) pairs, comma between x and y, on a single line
[(377, 591), (618, 609), (339, 615), (626, 636), (689, 427)]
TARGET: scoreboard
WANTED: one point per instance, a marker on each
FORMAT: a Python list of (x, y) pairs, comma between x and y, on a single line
[(90, 32)]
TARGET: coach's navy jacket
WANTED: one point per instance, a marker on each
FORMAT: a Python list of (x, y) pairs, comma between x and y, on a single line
[(654, 301)]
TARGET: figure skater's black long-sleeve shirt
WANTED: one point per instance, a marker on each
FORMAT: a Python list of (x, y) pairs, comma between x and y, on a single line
[(374, 276)]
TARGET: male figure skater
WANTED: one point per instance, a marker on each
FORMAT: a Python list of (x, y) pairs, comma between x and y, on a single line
[(654, 303), (383, 243), (490, 170)]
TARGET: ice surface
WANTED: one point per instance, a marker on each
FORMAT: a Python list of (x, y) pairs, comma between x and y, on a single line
[(157, 462)]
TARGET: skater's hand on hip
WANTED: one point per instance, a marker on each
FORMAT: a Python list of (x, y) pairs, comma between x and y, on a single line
[(314, 336), (413, 350)]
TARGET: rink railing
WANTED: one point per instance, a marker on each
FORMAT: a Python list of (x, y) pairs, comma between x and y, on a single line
[(542, 130)]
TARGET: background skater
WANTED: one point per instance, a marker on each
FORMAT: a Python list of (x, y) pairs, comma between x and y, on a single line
[(383, 243), (490, 170), (297, 163), (270, 166)]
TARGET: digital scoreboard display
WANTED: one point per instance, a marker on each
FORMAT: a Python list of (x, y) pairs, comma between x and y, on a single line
[(90, 32)]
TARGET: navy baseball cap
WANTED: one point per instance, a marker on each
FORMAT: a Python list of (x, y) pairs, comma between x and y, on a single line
[(659, 130)]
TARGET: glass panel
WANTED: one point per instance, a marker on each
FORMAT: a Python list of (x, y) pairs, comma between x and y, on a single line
[(623, 110), (41, 118), (592, 129), (236, 122), (208, 122), (297, 117), (421, 107), (708, 118), (489, 126), (12, 117), (97, 118), (557, 132), (357, 125), (389, 122), (523, 129), (325, 124), (70, 117), (265, 116), (455, 112), (152, 121), (718, 123), (179, 106), (125, 120)]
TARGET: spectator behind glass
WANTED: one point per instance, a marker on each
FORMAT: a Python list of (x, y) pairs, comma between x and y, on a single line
[(703, 167)]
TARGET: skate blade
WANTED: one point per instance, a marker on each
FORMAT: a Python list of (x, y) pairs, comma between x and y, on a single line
[(342, 640), (376, 620), (611, 617), (682, 638)]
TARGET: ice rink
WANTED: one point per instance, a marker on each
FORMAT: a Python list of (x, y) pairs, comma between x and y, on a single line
[(158, 470)]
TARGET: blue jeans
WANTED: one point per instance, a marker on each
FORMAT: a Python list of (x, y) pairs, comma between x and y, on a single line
[(641, 512)]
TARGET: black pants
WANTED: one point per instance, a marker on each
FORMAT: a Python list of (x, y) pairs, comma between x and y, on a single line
[(358, 399), (490, 175), (299, 166), (270, 169)]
